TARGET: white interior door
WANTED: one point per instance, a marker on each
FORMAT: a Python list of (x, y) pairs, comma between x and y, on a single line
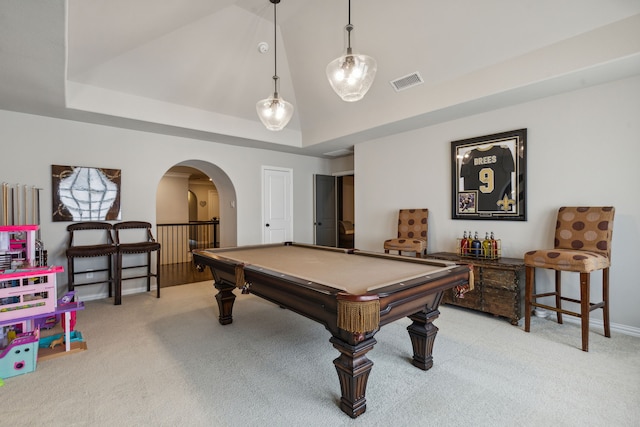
[(277, 211)]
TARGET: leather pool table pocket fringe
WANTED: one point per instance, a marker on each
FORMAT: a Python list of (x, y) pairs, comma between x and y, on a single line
[(358, 316), (240, 276)]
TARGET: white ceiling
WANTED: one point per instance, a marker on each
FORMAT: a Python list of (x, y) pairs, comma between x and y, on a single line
[(192, 67)]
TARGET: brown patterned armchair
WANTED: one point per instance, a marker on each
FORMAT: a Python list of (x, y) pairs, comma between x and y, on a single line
[(412, 233), (582, 245)]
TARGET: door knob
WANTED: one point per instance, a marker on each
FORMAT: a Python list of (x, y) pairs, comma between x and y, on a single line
[(266, 225)]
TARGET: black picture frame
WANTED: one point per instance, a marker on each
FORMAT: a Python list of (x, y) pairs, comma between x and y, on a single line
[(82, 193), (489, 177)]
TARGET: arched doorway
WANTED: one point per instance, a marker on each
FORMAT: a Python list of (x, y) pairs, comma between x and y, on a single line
[(194, 198)]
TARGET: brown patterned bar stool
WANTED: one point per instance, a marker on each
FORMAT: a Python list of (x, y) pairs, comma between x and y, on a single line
[(582, 245), (144, 243), (104, 246), (412, 233)]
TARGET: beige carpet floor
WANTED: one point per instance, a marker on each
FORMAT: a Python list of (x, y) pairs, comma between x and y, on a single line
[(168, 362)]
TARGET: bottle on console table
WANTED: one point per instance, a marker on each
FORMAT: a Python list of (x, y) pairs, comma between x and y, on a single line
[(476, 246), (494, 246), (464, 245), (486, 246)]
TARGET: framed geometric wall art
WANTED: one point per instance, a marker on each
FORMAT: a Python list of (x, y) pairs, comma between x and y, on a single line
[(85, 193), (489, 177)]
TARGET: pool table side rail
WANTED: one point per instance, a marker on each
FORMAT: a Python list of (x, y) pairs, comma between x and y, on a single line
[(231, 266), (352, 273), (324, 304), (417, 297)]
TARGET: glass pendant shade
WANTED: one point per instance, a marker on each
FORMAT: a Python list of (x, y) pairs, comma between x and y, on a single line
[(351, 75), (274, 112)]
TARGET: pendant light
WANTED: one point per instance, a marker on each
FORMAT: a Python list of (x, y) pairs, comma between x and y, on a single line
[(352, 74), (274, 112)]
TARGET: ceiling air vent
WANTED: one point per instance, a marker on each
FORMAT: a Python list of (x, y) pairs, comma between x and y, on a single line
[(407, 81)]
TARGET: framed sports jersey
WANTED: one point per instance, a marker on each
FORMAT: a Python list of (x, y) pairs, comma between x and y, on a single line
[(489, 177)]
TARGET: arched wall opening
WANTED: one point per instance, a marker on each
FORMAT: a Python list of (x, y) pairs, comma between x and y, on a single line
[(195, 209), (171, 211), (226, 199)]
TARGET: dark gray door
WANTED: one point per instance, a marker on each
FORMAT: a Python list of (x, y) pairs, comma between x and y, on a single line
[(325, 220)]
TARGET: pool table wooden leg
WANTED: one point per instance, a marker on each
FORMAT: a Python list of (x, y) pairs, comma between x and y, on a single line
[(423, 334), (225, 298), (353, 371)]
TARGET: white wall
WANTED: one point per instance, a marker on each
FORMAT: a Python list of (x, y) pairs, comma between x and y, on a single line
[(171, 199), (211, 208), (172, 208), (583, 149), (31, 144), (342, 164)]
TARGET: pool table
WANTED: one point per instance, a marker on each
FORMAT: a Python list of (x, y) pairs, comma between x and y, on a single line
[(351, 292)]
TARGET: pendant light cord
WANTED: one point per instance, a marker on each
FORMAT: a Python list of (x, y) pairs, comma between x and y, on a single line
[(275, 42), (349, 28), (274, 112)]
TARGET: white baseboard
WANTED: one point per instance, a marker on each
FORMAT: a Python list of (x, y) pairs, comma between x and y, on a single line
[(596, 323), (102, 295), (593, 323)]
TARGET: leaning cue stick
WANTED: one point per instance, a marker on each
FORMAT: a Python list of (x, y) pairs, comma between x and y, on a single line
[(15, 199), (38, 211), (4, 203), (33, 204), (24, 202), (6, 206), (18, 216), (13, 217), (18, 204)]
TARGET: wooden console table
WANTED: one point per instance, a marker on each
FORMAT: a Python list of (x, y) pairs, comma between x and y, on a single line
[(499, 286)]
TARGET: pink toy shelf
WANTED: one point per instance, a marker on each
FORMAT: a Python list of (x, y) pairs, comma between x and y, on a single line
[(27, 292), (18, 242)]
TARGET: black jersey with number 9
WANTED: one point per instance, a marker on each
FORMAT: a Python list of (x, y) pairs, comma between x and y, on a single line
[(489, 172)]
